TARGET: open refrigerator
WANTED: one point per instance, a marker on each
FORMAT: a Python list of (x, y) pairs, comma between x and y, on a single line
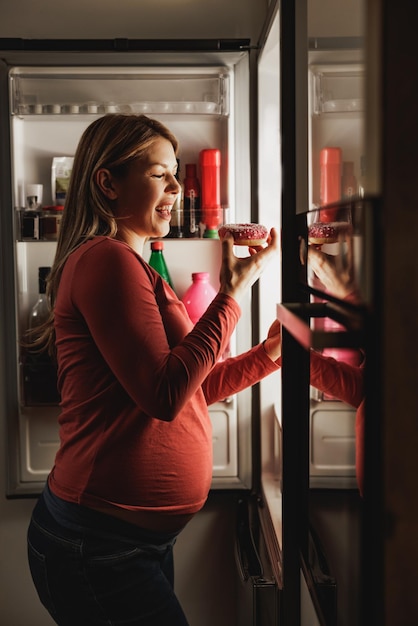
[(50, 92), (49, 107), (244, 101)]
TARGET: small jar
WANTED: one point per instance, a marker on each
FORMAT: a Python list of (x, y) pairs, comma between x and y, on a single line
[(51, 222), (28, 225)]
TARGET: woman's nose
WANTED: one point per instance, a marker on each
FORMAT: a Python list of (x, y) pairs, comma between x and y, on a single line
[(174, 185)]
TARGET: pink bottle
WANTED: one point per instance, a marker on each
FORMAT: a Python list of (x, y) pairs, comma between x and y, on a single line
[(198, 296), (210, 184)]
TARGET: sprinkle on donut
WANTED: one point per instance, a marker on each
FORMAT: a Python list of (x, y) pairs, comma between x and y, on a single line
[(245, 234)]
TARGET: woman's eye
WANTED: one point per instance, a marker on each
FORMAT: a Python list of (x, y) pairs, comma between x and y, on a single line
[(158, 175)]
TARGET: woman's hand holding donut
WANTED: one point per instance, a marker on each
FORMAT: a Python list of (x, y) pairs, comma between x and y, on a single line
[(337, 280), (238, 274)]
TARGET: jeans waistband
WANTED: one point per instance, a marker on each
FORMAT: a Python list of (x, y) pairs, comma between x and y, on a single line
[(82, 519)]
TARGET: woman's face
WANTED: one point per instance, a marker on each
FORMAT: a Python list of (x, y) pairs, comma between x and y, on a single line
[(145, 196)]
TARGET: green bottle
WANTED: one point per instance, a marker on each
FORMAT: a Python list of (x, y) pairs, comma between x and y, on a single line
[(157, 261)]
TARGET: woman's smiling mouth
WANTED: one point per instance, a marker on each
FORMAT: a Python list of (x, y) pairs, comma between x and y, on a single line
[(164, 211)]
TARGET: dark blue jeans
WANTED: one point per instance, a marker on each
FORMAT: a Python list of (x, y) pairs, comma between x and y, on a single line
[(106, 572)]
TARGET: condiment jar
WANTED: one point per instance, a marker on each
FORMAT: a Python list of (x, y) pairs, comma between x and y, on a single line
[(51, 222)]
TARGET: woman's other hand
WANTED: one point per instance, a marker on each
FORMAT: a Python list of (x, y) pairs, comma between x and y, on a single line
[(273, 343)]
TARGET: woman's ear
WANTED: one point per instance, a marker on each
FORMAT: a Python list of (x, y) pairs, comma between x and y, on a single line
[(104, 181)]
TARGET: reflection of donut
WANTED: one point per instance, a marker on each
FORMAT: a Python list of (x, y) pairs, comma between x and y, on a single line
[(245, 234), (319, 233)]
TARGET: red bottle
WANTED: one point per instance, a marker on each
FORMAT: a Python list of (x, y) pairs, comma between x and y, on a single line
[(210, 167), (330, 182)]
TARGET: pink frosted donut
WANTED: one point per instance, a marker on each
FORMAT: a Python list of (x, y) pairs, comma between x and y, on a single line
[(245, 234), (320, 233)]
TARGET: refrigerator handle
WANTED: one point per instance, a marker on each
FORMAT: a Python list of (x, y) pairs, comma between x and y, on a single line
[(321, 580), (246, 555)]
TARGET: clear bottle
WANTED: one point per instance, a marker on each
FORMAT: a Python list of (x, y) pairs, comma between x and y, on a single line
[(362, 182), (39, 369), (198, 296), (349, 186), (40, 310), (191, 202), (157, 261)]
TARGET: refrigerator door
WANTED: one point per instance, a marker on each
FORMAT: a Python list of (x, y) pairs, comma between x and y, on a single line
[(200, 90), (305, 102)]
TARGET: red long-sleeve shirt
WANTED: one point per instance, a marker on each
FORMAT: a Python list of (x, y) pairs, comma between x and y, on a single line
[(135, 379)]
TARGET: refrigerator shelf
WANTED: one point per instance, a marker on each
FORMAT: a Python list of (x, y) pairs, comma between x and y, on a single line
[(295, 317), (343, 105), (75, 90), (337, 89), (146, 108)]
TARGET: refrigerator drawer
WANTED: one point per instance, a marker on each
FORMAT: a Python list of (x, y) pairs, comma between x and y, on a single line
[(224, 437), (332, 445), (40, 442)]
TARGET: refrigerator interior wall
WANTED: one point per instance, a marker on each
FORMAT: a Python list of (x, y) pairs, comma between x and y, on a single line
[(201, 115)]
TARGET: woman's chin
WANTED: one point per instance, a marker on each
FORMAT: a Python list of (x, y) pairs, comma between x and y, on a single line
[(164, 230)]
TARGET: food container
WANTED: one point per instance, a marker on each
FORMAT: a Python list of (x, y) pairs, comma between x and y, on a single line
[(51, 222)]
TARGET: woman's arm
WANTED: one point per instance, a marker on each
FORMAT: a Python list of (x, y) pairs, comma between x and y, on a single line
[(141, 335), (338, 379)]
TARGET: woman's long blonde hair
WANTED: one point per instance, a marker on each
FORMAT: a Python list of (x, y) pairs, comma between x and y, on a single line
[(112, 142)]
